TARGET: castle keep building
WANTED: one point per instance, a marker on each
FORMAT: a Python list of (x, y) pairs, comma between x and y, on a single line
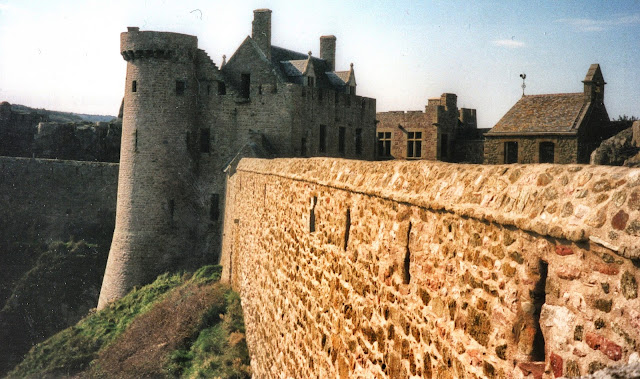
[(442, 132), (555, 128), (186, 122)]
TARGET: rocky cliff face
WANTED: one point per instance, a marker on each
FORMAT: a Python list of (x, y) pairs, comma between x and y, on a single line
[(623, 149)]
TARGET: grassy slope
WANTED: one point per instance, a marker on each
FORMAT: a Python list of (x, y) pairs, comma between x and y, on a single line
[(187, 325)]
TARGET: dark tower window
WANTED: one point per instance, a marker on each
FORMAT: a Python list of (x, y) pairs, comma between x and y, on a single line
[(322, 145), (384, 144), (181, 85), (208, 89), (414, 145), (444, 146), (222, 88), (510, 152), (547, 152), (245, 85), (134, 86), (311, 81), (214, 210), (303, 147), (205, 140), (172, 209), (341, 139), (359, 141)]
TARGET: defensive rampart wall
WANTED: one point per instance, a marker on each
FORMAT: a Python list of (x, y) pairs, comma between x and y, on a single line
[(55, 198), (432, 269)]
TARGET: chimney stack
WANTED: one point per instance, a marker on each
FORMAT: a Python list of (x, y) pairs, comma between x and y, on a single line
[(261, 30), (328, 51)]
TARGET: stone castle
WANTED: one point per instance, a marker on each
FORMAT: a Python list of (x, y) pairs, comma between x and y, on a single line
[(187, 122), (345, 267)]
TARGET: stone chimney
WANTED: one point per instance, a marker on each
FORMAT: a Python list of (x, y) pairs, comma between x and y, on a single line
[(328, 51), (261, 30)]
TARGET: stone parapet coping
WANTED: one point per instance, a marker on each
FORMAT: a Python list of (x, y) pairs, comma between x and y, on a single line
[(600, 204)]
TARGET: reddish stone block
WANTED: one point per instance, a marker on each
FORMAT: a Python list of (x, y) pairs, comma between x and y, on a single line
[(532, 368), (607, 269), (607, 347), (564, 250), (556, 365), (619, 220), (569, 273)]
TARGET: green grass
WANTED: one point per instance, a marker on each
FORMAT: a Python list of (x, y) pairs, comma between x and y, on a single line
[(72, 350), (219, 350), (216, 349)]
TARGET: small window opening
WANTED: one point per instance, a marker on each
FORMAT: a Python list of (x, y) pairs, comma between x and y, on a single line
[(384, 144), (347, 229), (312, 215), (510, 152), (214, 207), (341, 139), (181, 85), (134, 86), (208, 89), (205, 140), (547, 152), (303, 147), (322, 146), (245, 85), (311, 81), (414, 145), (222, 88), (406, 277), (172, 209), (359, 141)]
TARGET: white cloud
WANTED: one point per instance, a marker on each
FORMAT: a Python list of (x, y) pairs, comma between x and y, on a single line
[(593, 25), (509, 43)]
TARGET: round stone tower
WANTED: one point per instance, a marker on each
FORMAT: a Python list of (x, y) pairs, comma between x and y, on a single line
[(156, 212)]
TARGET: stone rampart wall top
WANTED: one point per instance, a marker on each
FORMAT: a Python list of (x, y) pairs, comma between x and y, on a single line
[(574, 202)]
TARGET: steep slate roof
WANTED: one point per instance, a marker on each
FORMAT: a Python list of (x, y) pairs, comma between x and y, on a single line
[(291, 65), (540, 114)]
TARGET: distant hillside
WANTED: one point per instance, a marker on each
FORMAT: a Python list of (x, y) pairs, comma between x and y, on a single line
[(179, 326), (57, 116)]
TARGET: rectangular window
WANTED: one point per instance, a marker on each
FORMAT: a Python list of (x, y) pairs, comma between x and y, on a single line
[(510, 152), (181, 85), (359, 141), (341, 139), (134, 86), (214, 210), (547, 152), (322, 144), (245, 85), (222, 88), (303, 147), (311, 81), (444, 146), (205, 140), (414, 145), (208, 89), (384, 144)]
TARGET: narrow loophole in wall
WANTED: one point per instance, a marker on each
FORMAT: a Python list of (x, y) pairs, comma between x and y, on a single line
[(406, 275), (347, 229), (312, 215), (172, 209), (134, 86), (135, 147), (538, 296)]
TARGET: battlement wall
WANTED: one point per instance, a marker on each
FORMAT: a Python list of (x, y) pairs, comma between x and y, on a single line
[(434, 269), (84, 194)]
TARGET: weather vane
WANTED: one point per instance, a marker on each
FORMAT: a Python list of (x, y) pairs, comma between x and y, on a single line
[(523, 76)]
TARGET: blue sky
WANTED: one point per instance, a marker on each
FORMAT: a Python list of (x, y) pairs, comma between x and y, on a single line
[(64, 54)]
